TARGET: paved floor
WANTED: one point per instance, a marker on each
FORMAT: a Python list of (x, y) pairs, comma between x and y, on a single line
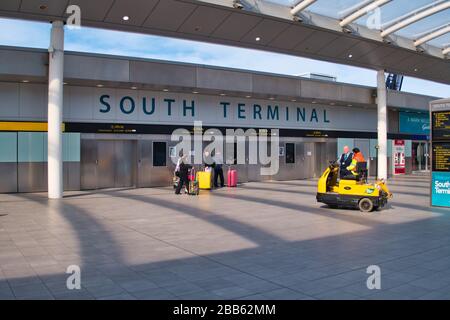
[(260, 241)]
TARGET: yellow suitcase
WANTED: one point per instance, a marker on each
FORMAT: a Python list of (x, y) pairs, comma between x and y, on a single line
[(204, 180)]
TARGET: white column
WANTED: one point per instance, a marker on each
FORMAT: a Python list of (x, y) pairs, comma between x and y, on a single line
[(382, 125), (55, 111)]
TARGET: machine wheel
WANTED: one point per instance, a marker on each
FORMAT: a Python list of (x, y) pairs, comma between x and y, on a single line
[(365, 205)]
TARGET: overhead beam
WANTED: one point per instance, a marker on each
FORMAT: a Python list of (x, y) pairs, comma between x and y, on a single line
[(301, 6), (362, 11), (414, 18), (432, 35), (446, 51)]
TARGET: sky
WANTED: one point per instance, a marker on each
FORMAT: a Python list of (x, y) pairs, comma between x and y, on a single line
[(37, 35)]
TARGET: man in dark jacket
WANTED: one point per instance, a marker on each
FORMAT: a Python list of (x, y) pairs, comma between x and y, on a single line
[(184, 172), (344, 161), (218, 171)]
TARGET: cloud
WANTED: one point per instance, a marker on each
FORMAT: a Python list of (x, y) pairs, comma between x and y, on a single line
[(34, 34)]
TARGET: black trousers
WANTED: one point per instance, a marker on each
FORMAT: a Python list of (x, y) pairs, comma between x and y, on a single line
[(183, 181), (344, 172), (218, 173)]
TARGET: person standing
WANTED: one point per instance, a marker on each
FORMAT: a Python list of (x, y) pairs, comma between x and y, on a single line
[(183, 174), (218, 171), (344, 161)]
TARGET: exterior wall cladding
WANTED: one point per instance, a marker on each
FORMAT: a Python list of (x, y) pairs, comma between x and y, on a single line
[(117, 136)]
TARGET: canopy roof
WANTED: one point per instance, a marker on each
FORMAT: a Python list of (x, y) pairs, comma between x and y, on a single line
[(406, 37)]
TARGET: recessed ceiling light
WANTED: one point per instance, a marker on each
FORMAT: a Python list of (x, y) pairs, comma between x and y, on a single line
[(166, 90), (293, 100), (349, 105), (25, 81), (314, 102), (223, 94), (99, 86), (133, 88), (125, 18), (271, 98), (65, 83), (248, 97), (194, 92), (332, 103), (415, 69), (350, 56), (258, 38)]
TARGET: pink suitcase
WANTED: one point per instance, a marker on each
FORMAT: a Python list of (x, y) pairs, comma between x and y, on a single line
[(232, 178)]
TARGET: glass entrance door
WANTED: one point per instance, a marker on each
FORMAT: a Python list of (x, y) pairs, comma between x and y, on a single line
[(420, 156)]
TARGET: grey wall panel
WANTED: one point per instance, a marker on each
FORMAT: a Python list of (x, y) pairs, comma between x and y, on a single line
[(105, 164), (162, 176), (408, 100), (33, 101), (32, 177), (356, 94), (300, 159), (23, 63), (309, 159), (8, 174), (393, 121), (88, 166), (9, 100), (320, 90), (162, 74), (221, 79), (72, 176), (96, 68), (144, 163), (271, 84), (80, 103), (124, 163)]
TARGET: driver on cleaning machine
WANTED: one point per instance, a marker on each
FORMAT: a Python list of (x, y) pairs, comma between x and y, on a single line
[(357, 157)]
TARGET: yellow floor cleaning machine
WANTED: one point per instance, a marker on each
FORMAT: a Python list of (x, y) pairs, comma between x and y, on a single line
[(353, 191)]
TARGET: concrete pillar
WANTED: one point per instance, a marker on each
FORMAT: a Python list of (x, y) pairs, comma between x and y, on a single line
[(382, 125), (55, 111)]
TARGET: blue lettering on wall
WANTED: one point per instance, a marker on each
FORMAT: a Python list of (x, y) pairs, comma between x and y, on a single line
[(241, 111), (273, 113), (169, 106), (325, 119), (301, 113), (127, 105), (105, 103), (191, 107), (122, 105), (257, 111), (314, 115), (144, 106), (225, 106)]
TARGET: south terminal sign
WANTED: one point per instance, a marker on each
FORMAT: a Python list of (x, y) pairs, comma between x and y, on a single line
[(440, 145)]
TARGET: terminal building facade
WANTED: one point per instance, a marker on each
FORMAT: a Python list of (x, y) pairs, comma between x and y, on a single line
[(119, 114)]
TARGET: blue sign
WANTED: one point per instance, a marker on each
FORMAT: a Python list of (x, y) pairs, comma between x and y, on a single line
[(414, 123), (440, 189)]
